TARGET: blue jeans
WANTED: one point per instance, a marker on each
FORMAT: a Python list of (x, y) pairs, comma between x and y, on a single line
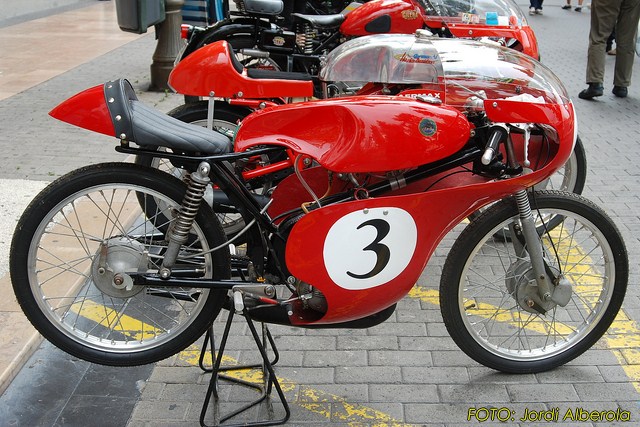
[(536, 4)]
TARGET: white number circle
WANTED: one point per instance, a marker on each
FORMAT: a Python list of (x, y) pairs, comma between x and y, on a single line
[(369, 248)]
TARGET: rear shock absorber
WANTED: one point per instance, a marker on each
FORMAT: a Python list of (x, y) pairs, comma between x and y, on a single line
[(178, 233), (308, 39)]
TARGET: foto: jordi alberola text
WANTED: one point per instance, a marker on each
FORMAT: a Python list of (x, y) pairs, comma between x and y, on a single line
[(578, 414)]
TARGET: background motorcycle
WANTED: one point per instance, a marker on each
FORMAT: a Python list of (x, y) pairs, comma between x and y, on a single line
[(299, 46), (113, 279)]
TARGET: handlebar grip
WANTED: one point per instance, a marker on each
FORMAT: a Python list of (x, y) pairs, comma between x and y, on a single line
[(497, 134)]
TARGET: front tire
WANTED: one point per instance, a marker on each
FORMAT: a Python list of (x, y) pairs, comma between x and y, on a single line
[(86, 229), (482, 276)]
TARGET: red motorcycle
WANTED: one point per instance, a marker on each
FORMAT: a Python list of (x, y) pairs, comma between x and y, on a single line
[(122, 264), (239, 91), (254, 29)]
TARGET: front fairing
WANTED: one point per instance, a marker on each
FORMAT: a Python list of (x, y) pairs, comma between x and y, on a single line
[(480, 12), (457, 67), (471, 76), (500, 20)]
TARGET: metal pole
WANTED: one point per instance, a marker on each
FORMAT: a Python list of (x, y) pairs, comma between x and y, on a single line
[(169, 43)]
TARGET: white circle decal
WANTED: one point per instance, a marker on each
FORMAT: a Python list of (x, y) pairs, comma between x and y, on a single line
[(369, 247)]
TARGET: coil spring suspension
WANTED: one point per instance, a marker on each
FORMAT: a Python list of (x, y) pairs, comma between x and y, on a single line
[(524, 207), (308, 39), (178, 233)]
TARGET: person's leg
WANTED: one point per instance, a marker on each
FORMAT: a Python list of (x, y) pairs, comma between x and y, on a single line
[(604, 14), (568, 5), (626, 29)]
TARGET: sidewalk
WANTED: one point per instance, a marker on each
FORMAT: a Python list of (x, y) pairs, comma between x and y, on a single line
[(405, 371), (45, 61)]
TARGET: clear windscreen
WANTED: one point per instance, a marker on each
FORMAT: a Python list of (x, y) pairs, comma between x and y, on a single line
[(456, 68), (484, 12)]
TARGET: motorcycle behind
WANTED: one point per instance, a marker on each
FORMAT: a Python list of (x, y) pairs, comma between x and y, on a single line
[(122, 264)]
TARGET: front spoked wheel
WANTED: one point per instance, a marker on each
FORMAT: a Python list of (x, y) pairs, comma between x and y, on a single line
[(485, 285), (79, 244)]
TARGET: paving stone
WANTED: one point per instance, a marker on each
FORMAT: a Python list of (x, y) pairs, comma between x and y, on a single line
[(542, 393), (615, 391), (369, 375), (435, 375), (471, 393), (400, 358), (404, 393)]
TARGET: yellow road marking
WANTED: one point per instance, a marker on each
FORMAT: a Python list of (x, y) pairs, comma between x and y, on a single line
[(316, 401), (108, 318), (623, 336)]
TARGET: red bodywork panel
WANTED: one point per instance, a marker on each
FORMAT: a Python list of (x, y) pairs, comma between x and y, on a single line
[(434, 214), (359, 134), (209, 69), (88, 110), (356, 240), (404, 18)]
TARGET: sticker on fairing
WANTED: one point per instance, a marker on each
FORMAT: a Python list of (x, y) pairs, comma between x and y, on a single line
[(369, 247)]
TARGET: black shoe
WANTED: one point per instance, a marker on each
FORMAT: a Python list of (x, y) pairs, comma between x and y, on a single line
[(620, 91), (594, 89), (566, 6)]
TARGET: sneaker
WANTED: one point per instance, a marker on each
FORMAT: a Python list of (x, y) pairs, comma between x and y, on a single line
[(611, 52), (594, 89), (566, 6), (532, 11), (539, 11), (620, 91), (578, 9)]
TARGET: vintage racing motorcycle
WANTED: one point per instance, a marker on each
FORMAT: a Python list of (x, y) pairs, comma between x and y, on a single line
[(256, 32), (122, 264)]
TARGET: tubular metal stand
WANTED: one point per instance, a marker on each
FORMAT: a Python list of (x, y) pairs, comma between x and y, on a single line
[(270, 379)]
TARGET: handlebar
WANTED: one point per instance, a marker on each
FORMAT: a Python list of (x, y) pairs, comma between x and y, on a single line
[(498, 132)]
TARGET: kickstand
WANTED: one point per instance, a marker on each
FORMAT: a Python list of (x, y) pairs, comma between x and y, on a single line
[(270, 379)]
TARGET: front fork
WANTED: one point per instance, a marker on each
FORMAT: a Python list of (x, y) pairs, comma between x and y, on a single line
[(551, 288)]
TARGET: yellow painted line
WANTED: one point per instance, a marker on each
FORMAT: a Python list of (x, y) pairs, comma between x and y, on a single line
[(109, 319), (623, 336), (316, 401)]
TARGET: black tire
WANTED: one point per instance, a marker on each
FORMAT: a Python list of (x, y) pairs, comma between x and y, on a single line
[(482, 276), (225, 121), (84, 229), (574, 174)]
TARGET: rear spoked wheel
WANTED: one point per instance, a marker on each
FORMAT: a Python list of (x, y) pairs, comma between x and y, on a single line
[(77, 247)]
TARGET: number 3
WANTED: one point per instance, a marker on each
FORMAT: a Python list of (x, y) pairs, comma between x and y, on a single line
[(368, 248), (382, 251)]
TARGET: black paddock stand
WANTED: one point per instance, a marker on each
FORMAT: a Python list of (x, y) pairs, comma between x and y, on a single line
[(217, 372)]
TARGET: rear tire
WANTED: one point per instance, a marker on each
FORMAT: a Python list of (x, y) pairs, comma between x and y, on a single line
[(85, 231)]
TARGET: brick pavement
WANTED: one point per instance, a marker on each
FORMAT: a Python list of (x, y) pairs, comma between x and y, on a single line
[(407, 370)]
